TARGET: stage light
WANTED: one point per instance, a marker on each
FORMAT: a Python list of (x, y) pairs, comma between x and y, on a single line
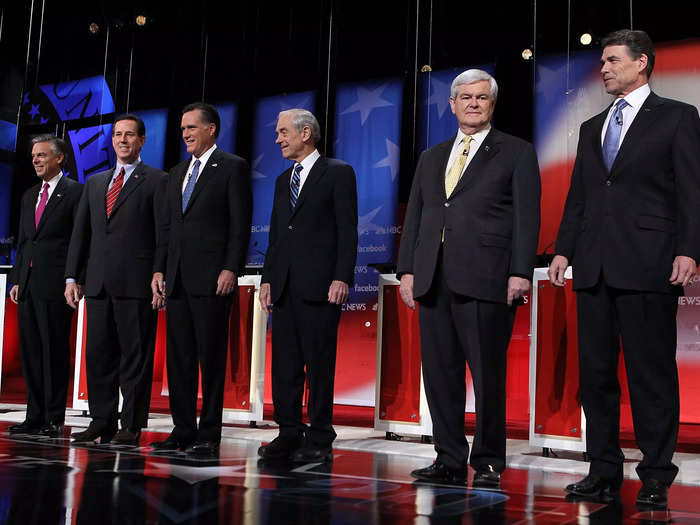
[(426, 69), (526, 54), (94, 28), (586, 39), (141, 20)]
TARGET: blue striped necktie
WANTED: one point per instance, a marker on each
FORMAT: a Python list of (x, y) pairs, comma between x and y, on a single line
[(611, 142), (294, 187), (189, 187)]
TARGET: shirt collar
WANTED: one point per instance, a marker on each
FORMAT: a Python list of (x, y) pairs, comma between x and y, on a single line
[(309, 161), (203, 158), (477, 138), (54, 181), (637, 97), (128, 168)]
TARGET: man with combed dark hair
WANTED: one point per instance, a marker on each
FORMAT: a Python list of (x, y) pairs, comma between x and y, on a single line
[(467, 254), (309, 267), (113, 247), (46, 221), (201, 252), (631, 231)]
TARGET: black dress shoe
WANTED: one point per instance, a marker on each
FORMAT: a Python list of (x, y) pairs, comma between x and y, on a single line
[(280, 448), (597, 488), (654, 493), (208, 449), (127, 437), (169, 443), (313, 454), (440, 473), (486, 476), (93, 433), (25, 427), (52, 430)]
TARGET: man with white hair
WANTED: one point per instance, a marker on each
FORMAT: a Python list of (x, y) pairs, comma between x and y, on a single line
[(309, 268), (467, 253)]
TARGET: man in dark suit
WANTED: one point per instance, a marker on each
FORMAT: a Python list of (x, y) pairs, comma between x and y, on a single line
[(631, 229), (46, 221), (309, 267), (201, 252), (467, 253), (113, 246)]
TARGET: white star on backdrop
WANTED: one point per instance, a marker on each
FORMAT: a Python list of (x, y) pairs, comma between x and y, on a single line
[(367, 100), (440, 95), (364, 222), (547, 77), (391, 160), (285, 105), (256, 173)]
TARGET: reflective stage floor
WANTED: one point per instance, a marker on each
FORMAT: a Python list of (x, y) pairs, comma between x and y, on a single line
[(47, 481)]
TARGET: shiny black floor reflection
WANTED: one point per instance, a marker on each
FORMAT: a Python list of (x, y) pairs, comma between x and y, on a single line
[(45, 481)]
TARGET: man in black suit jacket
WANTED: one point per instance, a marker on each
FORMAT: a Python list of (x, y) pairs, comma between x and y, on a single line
[(467, 253), (309, 267), (202, 250), (44, 320), (113, 246), (631, 229)]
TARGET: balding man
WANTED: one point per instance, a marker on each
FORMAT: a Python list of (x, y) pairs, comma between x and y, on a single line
[(309, 267)]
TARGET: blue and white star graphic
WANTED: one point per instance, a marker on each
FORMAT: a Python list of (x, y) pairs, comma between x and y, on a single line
[(393, 153), (367, 100)]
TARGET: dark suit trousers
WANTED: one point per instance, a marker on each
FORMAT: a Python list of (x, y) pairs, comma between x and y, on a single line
[(121, 335), (304, 334), (647, 324), (44, 332), (197, 338), (455, 329)]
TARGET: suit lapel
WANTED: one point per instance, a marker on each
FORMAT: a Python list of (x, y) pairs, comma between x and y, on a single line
[(645, 117), (54, 200), (596, 142), (317, 171), (30, 209), (488, 149), (205, 176), (443, 156), (285, 206), (135, 179)]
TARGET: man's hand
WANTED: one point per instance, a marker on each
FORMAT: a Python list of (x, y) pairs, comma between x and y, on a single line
[(556, 270), (517, 288), (14, 293), (73, 294), (683, 270), (158, 301), (338, 292), (226, 282), (264, 297), (406, 290), (158, 284)]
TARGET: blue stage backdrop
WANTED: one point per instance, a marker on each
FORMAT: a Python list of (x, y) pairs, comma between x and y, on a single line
[(228, 112), (156, 121), (8, 134), (436, 123), (267, 163), (367, 136)]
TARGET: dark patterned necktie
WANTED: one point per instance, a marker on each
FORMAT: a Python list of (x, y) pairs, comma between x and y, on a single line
[(294, 187)]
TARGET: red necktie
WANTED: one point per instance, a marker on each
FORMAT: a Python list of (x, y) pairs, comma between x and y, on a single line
[(113, 192), (42, 204)]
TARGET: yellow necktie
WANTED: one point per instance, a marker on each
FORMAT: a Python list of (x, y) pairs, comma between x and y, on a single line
[(457, 168)]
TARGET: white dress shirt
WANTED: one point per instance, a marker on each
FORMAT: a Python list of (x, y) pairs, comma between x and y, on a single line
[(635, 99), (307, 164), (203, 159), (52, 186), (128, 170), (477, 139)]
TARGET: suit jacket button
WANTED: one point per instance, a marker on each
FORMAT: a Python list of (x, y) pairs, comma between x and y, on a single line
[(447, 205), (290, 227), (608, 183)]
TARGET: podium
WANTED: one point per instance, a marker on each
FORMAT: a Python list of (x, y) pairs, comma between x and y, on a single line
[(401, 406), (556, 418), (245, 364)]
